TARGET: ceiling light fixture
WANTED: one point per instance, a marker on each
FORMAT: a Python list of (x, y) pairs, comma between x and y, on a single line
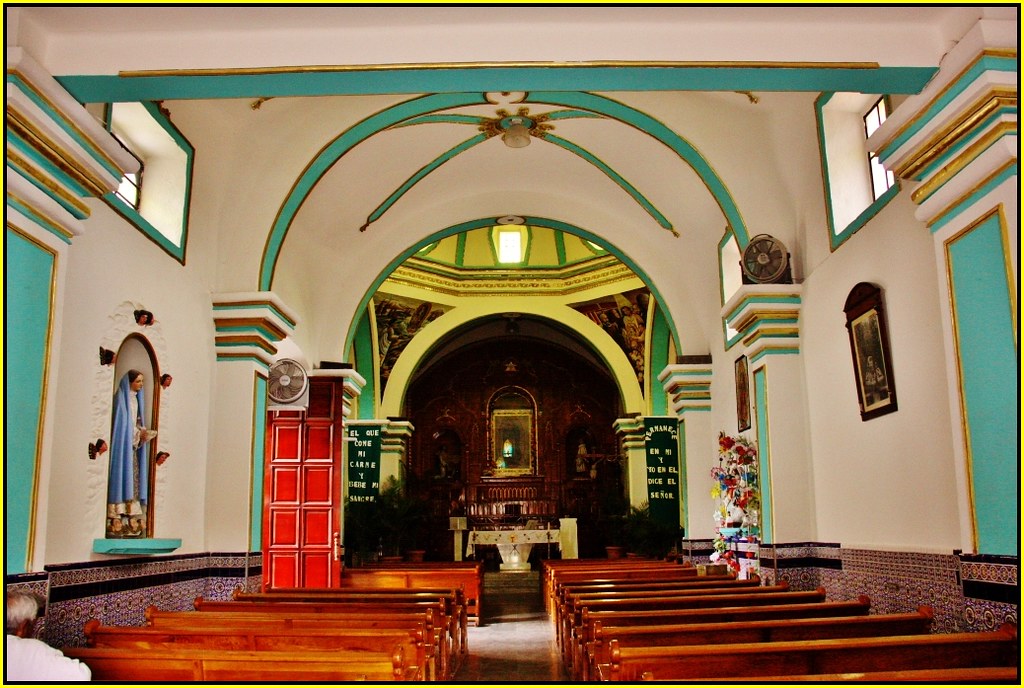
[(516, 135)]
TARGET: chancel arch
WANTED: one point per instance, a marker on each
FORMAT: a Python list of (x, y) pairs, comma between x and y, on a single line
[(427, 343)]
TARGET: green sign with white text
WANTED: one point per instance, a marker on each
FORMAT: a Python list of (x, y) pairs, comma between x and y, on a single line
[(661, 445), (364, 443)]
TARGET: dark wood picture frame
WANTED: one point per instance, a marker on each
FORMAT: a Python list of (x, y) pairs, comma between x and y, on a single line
[(869, 346), (742, 394)]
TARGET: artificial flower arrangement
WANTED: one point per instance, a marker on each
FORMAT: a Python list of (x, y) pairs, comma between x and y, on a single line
[(738, 492)]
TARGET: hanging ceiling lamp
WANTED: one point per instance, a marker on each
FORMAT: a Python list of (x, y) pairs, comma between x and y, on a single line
[(516, 135)]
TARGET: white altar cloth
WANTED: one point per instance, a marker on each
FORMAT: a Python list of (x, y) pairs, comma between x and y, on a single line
[(513, 545)]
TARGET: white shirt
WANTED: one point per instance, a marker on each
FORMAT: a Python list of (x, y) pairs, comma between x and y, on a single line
[(28, 659)]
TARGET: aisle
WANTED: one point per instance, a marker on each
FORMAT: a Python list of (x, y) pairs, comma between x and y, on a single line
[(516, 642)]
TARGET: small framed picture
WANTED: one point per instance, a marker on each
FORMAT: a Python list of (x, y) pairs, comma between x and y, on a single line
[(742, 395), (869, 346)]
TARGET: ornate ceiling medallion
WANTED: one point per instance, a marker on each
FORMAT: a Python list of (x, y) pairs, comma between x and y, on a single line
[(536, 125)]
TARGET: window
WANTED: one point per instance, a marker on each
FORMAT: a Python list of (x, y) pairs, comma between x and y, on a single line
[(855, 192), (157, 202), (510, 247), (881, 179), (131, 185), (510, 243)]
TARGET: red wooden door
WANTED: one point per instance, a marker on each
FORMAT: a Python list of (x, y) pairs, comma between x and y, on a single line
[(302, 494)]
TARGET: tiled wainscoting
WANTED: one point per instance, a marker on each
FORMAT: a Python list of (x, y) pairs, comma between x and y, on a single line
[(967, 592), (117, 592)]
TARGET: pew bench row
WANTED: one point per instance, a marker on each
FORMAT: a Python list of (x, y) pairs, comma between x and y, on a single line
[(657, 624), (349, 634)]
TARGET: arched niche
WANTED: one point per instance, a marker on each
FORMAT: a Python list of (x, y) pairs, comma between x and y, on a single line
[(512, 435), (446, 450), (580, 447), (129, 506)]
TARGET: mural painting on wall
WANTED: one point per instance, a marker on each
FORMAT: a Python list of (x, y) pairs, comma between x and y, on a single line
[(399, 319), (624, 317)]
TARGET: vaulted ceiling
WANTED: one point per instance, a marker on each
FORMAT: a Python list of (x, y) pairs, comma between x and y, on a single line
[(340, 147)]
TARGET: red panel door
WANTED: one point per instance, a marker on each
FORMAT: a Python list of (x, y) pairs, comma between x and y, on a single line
[(302, 502)]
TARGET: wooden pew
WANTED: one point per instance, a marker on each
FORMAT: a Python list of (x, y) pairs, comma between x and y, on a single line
[(585, 634), (468, 576), (581, 569), (669, 582), (565, 570), (312, 622), (572, 599), (572, 631), (239, 666), (596, 652), (259, 637), (569, 617), (826, 656), (454, 627), (453, 598)]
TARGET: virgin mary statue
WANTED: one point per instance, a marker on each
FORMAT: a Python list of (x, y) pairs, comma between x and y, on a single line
[(128, 486)]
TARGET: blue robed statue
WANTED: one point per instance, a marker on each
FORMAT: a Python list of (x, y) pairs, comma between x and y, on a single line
[(128, 484)]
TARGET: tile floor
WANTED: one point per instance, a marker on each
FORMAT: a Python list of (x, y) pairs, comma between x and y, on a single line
[(515, 642)]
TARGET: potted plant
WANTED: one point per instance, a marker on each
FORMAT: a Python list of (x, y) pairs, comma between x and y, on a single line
[(381, 530), (402, 516), (648, 536)]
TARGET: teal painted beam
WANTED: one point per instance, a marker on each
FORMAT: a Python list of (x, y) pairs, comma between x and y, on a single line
[(186, 85)]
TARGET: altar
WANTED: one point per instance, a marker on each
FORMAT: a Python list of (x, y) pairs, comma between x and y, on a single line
[(515, 546)]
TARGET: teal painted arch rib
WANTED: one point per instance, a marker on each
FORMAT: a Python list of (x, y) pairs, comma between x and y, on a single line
[(473, 120), (652, 127), (425, 105), (461, 228), (615, 177), (419, 176), (332, 153)]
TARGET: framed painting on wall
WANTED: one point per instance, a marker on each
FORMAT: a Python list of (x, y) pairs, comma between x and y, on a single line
[(742, 395), (869, 345), (512, 442)]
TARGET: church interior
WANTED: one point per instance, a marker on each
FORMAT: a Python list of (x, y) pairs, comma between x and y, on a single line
[(471, 264)]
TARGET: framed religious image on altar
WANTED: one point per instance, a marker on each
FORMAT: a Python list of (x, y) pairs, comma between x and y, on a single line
[(869, 345), (742, 395), (512, 442)]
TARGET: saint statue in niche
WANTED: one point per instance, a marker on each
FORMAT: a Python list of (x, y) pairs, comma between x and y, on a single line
[(128, 483)]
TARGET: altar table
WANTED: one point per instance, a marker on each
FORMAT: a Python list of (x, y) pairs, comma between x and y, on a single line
[(515, 545)]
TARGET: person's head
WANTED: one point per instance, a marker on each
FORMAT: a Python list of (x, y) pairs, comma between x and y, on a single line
[(22, 609), (135, 380)]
